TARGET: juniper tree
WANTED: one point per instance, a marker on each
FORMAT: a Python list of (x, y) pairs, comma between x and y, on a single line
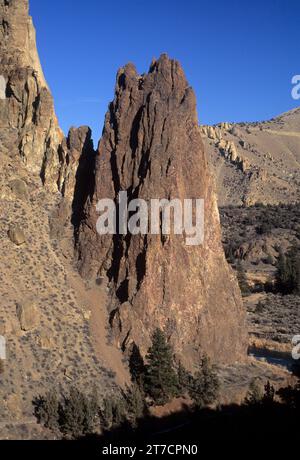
[(113, 412), (288, 271), (204, 386), (136, 366), (78, 413), (254, 395), (184, 379), (46, 410), (268, 397), (160, 382), (135, 404)]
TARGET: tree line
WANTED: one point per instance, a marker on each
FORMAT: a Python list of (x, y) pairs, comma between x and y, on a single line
[(155, 381)]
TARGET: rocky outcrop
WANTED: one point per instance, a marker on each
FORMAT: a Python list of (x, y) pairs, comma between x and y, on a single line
[(151, 148), (211, 132), (228, 149), (28, 123), (27, 119), (76, 173), (28, 315), (255, 162), (16, 235)]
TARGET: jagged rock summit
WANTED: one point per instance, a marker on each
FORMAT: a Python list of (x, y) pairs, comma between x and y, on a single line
[(27, 119), (151, 147), (29, 126)]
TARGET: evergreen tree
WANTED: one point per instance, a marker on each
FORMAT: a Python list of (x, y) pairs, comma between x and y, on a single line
[(254, 395), (291, 396), (205, 385), (268, 397), (288, 271), (135, 404), (46, 410), (160, 382), (113, 412), (136, 366), (78, 414), (107, 413), (184, 379), (294, 257), (282, 273)]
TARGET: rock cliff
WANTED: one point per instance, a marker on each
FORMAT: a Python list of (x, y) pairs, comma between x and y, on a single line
[(28, 123), (151, 148), (27, 119)]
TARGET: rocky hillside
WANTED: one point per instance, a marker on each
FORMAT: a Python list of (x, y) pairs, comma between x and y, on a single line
[(53, 323), (74, 303), (256, 162), (62, 329)]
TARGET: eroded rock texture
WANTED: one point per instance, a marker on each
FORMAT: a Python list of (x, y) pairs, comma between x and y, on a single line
[(151, 148), (76, 172), (28, 123)]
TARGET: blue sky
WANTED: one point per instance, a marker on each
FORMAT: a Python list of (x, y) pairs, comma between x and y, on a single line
[(238, 55)]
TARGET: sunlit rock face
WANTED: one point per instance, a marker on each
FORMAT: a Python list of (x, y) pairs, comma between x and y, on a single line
[(28, 123), (151, 147)]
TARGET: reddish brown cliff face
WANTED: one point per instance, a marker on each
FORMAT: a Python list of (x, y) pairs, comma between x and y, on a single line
[(151, 148)]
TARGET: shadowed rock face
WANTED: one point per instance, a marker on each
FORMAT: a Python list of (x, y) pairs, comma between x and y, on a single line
[(151, 148)]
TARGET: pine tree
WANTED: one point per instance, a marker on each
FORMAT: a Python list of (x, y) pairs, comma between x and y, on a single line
[(113, 412), (294, 256), (46, 410), (136, 366), (161, 382), (254, 395), (205, 385), (268, 397), (291, 396), (78, 414), (184, 379), (288, 271), (281, 273), (135, 404), (107, 413)]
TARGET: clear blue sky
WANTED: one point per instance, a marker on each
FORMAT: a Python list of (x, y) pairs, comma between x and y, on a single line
[(238, 55)]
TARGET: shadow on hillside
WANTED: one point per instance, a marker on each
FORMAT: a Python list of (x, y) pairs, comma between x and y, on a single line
[(225, 423)]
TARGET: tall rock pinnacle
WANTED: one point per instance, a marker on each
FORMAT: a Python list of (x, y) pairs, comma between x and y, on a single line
[(27, 119), (152, 148), (28, 123)]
